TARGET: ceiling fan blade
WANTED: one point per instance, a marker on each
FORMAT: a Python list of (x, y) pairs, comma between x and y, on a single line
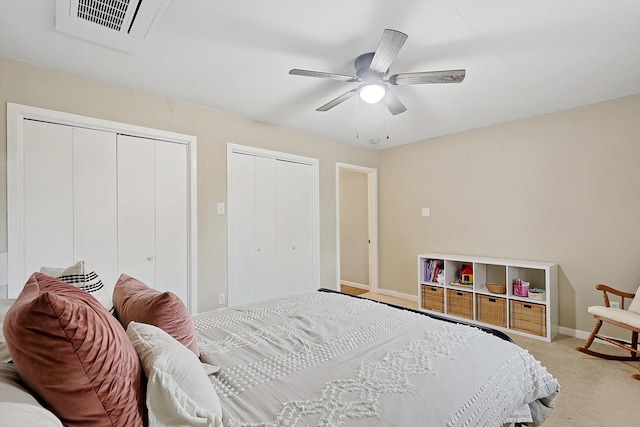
[(329, 105), (320, 74), (449, 76), (388, 48), (394, 105)]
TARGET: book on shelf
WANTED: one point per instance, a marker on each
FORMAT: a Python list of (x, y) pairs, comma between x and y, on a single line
[(432, 269)]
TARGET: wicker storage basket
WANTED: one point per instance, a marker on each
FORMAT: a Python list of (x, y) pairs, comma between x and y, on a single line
[(496, 288), (529, 317), (492, 310), (460, 303), (433, 298)]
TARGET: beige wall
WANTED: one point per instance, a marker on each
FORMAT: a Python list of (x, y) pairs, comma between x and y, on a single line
[(562, 187), (354, 227), (23, 83)]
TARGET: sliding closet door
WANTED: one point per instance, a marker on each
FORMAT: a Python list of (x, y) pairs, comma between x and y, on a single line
[(171, 190), (242, 211), (136, 208), (48, 196), (252, 205), (95, 237), (70, 198), (271, 227), (295, 227), (117, 202), (266, 229), (123, 203)]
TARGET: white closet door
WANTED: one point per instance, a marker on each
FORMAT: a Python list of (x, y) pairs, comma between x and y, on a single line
[(242, 224), (271, 226), (295, 227), (266, 229), (95, 236), (136, 208), (78, 193), (172, 219), (48, 196)]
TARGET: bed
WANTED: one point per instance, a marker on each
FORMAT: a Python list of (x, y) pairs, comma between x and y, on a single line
[(323, 358), (314, 359)]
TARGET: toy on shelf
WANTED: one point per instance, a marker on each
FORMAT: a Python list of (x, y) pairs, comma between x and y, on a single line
[(465, 276)]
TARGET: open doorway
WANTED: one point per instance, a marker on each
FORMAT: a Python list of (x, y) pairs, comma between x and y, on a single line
[(356, 228)]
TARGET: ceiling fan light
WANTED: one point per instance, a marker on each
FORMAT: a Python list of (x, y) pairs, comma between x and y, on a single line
[(372, 92)]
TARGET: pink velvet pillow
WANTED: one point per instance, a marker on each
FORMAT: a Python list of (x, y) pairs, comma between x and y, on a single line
[(137, 302), (73, 354)]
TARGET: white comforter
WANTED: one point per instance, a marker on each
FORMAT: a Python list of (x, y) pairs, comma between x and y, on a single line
[(327, 359)]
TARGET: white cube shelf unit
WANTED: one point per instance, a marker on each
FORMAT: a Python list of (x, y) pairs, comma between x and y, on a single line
[(441, 291)]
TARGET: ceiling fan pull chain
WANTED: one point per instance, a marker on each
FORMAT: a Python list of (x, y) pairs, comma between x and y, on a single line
[(357, 117), (387, 114)]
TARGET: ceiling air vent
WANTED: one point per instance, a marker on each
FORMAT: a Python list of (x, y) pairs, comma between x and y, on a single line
[(119, 24)]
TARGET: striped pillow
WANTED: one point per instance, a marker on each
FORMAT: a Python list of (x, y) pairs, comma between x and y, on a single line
[(82, 276)]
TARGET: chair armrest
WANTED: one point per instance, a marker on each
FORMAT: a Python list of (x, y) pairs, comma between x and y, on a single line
[(608, 289)]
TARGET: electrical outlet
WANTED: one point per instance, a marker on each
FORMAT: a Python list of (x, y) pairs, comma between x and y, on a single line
[(614, 304), (222, 298)]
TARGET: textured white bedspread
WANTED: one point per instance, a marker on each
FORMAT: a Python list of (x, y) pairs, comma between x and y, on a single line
[(327, 359)]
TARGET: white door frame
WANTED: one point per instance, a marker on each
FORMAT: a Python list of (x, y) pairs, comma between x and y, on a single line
[(314, 163), (372, 205), (16, 115)]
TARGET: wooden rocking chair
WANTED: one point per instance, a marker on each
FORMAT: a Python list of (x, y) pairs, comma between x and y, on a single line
[(627, 319)]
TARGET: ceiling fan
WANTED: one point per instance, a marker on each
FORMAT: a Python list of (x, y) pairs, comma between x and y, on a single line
[(371, 71)]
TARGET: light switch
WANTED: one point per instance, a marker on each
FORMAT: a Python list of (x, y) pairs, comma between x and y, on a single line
[(220, 208), (426, 211)]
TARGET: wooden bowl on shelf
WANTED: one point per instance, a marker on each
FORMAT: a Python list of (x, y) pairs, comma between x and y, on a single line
[(496, 288)]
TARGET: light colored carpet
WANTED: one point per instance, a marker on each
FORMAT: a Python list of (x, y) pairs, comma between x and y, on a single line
[(594, 392)]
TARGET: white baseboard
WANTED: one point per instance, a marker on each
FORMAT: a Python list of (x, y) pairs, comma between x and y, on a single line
[(397, 294), (353, 284), (573, 333), (580, 334)]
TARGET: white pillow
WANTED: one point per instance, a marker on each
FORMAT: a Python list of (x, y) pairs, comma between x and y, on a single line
[(18, 407), (178, 389), (82, 276), (22, 414), (635, 303), (5, 305)]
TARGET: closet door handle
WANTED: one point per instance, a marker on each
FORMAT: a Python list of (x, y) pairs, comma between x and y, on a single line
[(149, 258)]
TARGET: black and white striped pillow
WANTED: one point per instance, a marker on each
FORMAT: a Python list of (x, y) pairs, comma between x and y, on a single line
[(82, 276)]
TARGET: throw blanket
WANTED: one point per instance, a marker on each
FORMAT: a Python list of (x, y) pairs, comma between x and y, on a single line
[(329, 360)]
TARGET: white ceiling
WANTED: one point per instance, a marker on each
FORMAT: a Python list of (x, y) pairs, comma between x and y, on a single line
[(522, 58)]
